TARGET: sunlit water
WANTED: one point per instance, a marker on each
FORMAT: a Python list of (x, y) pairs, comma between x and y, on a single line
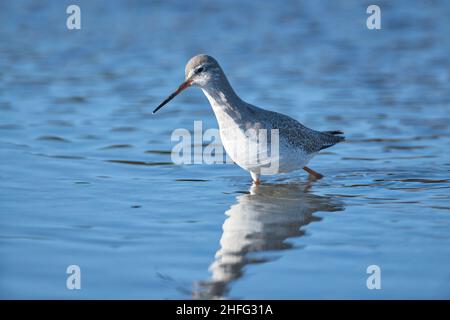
[(87, 178)]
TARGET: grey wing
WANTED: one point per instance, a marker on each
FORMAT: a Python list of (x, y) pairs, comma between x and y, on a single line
[(300, 136)]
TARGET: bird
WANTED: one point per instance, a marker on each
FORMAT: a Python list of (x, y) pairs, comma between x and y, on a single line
[(260, 141)]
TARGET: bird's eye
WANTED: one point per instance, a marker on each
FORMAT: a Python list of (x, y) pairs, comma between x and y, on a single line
[(201, 69)]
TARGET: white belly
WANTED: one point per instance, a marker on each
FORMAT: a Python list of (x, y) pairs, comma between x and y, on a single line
[(261, 156)]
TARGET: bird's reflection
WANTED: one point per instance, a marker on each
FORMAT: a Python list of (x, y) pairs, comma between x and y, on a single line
[(261, 220)]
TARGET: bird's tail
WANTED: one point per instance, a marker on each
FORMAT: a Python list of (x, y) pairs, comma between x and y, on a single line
[(332, 137), (336, 132)]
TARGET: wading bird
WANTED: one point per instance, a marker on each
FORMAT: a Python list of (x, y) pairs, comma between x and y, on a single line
[(240, 123)]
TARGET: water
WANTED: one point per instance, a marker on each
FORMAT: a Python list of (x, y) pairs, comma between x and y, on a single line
[(87, 179)]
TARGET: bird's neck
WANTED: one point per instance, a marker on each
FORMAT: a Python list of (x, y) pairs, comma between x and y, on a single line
[(224, 101)]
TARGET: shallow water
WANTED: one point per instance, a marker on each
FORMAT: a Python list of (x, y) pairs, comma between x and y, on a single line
[(87, 179)]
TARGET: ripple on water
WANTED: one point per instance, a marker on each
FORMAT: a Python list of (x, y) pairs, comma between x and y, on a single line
[(82, 182), (70, 100), (59, 156), (141, 163), (414, 138), (162, 152), (387, 148), (124, 129), (10, 126), (53, 139), (117, 146), (5, 106), (60, 123), (415, 180)]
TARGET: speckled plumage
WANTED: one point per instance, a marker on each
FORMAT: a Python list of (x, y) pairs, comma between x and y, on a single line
[(294, 132), (297, 143)]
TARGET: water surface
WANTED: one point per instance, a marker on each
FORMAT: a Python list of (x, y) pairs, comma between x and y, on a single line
[(87, 178)]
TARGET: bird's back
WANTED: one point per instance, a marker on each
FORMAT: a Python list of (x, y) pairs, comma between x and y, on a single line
[(293, 132)]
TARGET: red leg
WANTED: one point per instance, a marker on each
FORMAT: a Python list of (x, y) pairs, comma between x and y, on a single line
[(313, 173)]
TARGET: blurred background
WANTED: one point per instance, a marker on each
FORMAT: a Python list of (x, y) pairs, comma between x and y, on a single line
[(86, 176)]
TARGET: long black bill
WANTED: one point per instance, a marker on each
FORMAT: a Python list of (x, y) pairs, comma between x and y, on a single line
[(183, 86)]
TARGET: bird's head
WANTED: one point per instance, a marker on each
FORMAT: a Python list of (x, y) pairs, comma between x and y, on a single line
[(201, 71)]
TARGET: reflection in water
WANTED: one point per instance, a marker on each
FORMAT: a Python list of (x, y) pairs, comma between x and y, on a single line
[(260, 221)]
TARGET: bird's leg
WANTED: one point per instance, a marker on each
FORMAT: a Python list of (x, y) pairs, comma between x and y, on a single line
[(255, 178), (313, 173)]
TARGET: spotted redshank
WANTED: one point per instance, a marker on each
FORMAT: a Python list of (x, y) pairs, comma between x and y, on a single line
[(291, 147)]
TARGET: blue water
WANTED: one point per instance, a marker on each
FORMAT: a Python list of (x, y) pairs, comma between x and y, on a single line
[(86, 176)]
